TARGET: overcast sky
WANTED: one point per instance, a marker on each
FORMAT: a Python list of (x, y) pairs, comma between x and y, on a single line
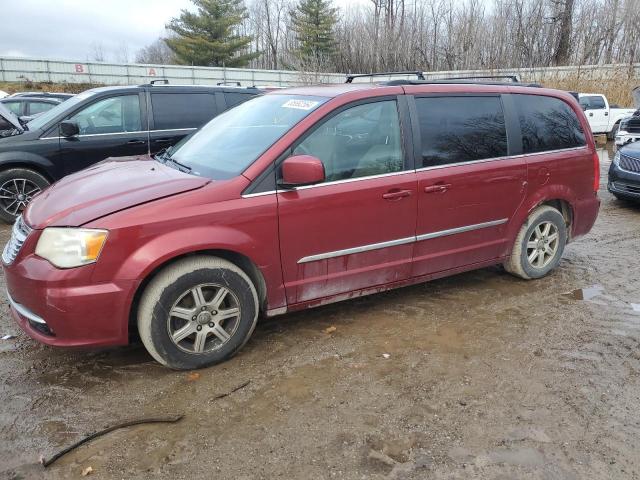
[(68, 29)]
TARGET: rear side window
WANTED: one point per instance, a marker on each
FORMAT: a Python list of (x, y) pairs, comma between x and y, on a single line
[(461, 129), (234, 99), (547, 123), (14, 107), (592, 102), (39, 107), (182, 110)]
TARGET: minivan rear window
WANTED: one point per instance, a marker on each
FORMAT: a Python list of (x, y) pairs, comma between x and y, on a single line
[(547, 123), (182, 110), (461, 129)]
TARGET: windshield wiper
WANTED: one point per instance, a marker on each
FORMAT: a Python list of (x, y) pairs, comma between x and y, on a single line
[(164, 156), (182, 167)]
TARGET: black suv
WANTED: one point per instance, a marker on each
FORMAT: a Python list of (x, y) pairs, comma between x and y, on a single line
[(101, 123)]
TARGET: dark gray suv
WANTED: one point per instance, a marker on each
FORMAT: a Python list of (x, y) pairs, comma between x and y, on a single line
[(97, 124)]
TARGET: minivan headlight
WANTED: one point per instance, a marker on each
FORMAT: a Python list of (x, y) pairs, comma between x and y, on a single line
[(70, 247), (616, 158)]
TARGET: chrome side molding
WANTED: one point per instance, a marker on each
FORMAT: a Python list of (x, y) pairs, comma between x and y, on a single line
[(362, 248), (453, 231), (402, 241)]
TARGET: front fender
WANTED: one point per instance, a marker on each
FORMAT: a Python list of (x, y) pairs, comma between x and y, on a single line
[(18, 158), (159, 250)]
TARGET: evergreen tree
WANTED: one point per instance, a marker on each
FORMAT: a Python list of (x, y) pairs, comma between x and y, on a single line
[(314, 22), (209, 37)]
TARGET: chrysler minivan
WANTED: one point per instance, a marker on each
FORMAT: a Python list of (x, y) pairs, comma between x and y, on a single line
[(299, 198)]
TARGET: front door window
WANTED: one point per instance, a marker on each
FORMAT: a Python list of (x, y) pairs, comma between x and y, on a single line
[(361, 141), (110, 115)]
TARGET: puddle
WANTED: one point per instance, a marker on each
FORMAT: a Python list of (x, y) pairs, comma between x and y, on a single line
[(587, 293)]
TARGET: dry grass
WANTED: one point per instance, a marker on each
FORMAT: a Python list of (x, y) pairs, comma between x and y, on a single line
[(617, 85), (13, 87)]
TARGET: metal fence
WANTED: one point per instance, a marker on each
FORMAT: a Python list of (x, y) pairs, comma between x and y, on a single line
[(41, 70), (38, 70)]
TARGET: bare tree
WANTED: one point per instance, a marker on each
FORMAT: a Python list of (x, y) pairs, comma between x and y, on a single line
[(96, 52), (157, 52)]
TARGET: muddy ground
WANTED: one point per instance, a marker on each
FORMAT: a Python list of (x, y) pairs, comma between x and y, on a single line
[(487, 376)]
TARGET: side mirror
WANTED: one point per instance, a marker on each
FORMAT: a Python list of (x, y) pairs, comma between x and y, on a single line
[(69, 128), (301, 170)]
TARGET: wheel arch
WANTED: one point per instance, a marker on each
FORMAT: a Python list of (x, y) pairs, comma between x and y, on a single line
[(41, 165), (565, 208), (554, 196), (238, 259)]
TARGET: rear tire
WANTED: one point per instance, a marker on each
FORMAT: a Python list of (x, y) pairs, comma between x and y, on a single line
[(17, 187), (539, 244), (197, 312)]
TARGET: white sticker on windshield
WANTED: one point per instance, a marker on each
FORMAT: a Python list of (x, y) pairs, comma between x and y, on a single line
[(300, 104)]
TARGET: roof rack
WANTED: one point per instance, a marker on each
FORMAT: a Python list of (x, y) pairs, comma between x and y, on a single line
[(456, 82), (228, 84), (350, 77), (512, 78), (163, 81)]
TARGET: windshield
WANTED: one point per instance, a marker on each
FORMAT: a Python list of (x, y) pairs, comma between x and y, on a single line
[(229, 143), (41, 120)]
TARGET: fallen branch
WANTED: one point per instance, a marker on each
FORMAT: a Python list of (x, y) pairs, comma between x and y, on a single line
[(130, 423), (222, 395)]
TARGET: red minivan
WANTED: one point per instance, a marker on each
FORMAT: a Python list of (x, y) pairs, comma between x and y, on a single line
[(300, 198)]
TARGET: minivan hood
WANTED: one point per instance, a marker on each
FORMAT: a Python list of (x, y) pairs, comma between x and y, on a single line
[(105, 188), (10, 117)]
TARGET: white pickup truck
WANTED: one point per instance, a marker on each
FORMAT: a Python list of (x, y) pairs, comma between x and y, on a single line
[(603, 117)]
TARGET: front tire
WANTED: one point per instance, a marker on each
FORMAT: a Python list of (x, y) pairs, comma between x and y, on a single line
[(17, 187), (197, 312), (539, 244)]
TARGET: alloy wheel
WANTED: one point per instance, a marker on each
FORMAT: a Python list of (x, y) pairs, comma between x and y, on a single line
[(203, 318), (542, 244), (16, 193)]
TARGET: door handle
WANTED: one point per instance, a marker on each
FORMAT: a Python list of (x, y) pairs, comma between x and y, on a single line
[(396, 194), (437, 188), (591, 114), (162, 140), (606, 114), (136, 142)]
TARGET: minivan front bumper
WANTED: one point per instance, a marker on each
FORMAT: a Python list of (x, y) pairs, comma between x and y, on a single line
[(63, 307)]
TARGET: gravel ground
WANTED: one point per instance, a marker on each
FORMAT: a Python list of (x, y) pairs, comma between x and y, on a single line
[(480, 375)]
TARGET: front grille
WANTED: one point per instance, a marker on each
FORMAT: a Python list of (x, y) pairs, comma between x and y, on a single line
[(19, 234), (625, 187), (631, 125), (629, 164)]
